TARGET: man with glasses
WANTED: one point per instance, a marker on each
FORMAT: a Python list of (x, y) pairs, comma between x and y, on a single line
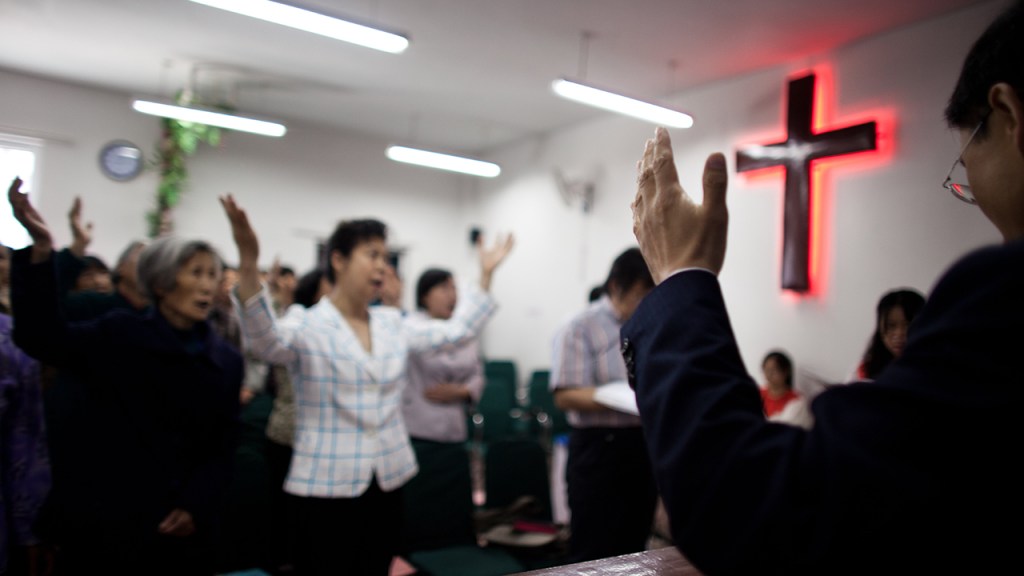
[(915, 473)]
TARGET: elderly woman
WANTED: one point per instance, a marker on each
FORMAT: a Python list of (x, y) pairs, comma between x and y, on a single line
[(162, 398)]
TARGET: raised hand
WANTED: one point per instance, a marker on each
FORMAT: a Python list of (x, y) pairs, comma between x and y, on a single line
[(672, 230), (248, 248), (81, 236), (245, 237), (492, 257), (27, 216), (274, 276)]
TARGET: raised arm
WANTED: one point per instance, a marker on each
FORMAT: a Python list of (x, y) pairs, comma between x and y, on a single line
[(491, 258), (248, 248), (471, 315), (262, 335), (81, 235), (39, 325), (673, 231), (27, 216)]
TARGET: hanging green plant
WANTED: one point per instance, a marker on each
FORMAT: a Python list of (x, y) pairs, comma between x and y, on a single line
[(178, 141)]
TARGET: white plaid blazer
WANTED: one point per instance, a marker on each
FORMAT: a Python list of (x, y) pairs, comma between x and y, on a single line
[(348, 402)]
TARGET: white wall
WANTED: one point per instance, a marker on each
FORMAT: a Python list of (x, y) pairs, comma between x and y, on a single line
[(891, 223), (296, 188)]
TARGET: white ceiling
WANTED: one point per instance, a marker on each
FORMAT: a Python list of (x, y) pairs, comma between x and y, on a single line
[(476, 75)]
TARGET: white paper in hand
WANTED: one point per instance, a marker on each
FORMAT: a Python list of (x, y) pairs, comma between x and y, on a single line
[(617, 396)]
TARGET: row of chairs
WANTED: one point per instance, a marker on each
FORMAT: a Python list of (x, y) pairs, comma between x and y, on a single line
[(503, 413), (446, 534), (511, 435)]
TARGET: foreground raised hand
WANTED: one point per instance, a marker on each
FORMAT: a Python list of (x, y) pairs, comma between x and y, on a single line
[(27, 216), (672, 230)]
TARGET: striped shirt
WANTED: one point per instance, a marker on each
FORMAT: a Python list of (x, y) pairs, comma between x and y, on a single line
[(349, 425), (587, 353)]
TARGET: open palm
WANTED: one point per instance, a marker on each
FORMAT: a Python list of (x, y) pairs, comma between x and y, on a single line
[(28, 217)]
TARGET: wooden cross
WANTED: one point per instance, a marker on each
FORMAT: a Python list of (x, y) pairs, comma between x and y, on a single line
[(801, 147)]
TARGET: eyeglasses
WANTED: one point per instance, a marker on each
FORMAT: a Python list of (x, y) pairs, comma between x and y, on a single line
[(962, 191)]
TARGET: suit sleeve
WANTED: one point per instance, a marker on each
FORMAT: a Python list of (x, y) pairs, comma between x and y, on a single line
[(892, 472), (724, 473)]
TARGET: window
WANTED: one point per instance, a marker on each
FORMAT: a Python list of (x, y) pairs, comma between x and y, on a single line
[(19, 156)]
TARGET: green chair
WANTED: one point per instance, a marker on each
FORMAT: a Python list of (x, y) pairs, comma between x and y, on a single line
[(497, 414), (514, 468), (439, 537), (548, 419)]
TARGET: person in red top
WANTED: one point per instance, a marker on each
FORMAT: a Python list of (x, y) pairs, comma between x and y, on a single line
[(777, 391)]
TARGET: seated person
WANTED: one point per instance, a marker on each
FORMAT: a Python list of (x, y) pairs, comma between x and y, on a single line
[(893, 315)]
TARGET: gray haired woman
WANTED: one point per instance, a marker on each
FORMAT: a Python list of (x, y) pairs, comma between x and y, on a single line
[(161, 391)]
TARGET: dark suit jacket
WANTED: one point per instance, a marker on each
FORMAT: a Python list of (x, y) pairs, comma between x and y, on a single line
[(162, 413), (917, 471)]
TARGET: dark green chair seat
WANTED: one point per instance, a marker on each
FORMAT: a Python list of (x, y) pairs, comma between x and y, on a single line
[(439, 535), (465, 561), (514, 468)]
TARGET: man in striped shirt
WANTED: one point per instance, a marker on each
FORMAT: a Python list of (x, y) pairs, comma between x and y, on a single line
[(611, 488)]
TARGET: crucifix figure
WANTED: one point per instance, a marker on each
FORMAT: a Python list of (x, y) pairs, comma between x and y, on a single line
[(801, 147)]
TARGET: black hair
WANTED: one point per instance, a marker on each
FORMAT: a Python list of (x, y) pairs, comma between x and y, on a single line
[(995, 57), (428, 280), (286, 271), (784, 363), (94, 263), (628, 270), (348, 235), (595, 293), (877, 356), (307, 287)]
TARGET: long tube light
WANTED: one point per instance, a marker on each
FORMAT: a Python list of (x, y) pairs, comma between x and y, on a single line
[(443, 161), (309, 21), (622, 104), (209, 117)]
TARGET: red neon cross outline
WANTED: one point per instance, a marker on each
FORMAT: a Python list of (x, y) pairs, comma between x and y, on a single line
[(795, 154)]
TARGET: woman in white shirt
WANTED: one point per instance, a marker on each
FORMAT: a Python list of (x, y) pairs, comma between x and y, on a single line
[(347, 362)]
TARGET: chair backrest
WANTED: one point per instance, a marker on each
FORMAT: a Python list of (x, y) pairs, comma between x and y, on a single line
[(514, 468), (542, 404), (502, 369), (439, 500), (498, 405)]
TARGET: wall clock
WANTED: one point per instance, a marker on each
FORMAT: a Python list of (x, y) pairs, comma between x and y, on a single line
[(121, 160)]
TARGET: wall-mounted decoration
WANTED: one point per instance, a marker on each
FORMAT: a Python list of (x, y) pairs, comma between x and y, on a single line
[(796, 154), (121, 160)]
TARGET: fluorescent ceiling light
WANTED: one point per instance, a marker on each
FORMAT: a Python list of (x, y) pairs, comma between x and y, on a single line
[(443, 161), (209, 117), (621, 104), (309, 21)]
